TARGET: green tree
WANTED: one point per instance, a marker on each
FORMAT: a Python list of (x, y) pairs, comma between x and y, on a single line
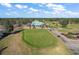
[(64, 23), (9, 26)]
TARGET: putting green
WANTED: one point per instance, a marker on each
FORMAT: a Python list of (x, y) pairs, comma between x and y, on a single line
[(39, 38)]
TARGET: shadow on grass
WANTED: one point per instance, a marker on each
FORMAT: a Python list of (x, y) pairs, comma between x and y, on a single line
[(7, 34), (2, 49), (16, 31)]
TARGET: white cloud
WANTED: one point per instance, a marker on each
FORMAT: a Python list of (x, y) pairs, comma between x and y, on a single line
[(47, 12), (71, 14), (49, 5), (65, 14), (25, 10), (8, 14), (21, 6), (9, 9), (15, 13), (5, 1), (6, 4), (25, 6), (32, 9), (43, 3), (11, 13), (54, 10), (40, 1), (61, 11), (40, 5), (58, 10), (56, 7)]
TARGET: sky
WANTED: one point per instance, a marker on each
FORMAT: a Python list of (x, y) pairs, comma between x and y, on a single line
[(39, 10)]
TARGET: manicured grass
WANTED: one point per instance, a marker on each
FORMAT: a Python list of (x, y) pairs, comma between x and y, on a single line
[(16, 46), (39, 38), (70, 28), (73, 26)]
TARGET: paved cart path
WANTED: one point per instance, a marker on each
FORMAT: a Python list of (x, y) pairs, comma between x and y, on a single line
[(71, 44)]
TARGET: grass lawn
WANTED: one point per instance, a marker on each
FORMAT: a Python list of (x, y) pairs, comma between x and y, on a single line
[(39, 38), (16, 46), (42, 42), (70, 28)]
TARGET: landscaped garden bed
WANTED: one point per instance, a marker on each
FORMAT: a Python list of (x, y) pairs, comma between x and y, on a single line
[(71, 35), (71, 31)]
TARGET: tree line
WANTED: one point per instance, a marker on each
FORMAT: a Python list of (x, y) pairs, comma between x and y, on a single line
[(10, 22), (26, 20)]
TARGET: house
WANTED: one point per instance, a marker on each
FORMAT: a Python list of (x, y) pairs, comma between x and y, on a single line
[(37, 24)]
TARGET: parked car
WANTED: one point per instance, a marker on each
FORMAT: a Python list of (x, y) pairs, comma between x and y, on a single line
[(50, 29)]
